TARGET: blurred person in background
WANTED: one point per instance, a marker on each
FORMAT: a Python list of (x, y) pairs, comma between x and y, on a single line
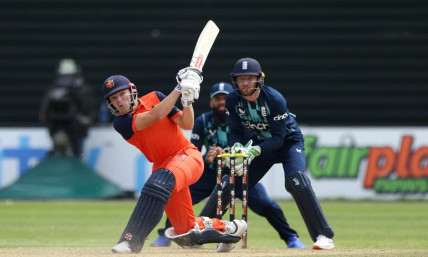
[(67, 110)]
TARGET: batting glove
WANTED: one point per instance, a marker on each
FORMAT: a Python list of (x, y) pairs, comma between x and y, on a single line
[(189, 92), (189, 72)]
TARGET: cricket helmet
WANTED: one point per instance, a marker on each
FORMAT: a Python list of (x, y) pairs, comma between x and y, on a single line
[(247, 67), (117, 83)]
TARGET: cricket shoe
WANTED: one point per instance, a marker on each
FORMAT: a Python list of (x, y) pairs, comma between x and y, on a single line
[(294, 242), (239, 227), (323, 243), (122, 247), (161, 241)]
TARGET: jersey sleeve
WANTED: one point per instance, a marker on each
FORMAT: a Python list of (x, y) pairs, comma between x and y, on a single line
[(277, 123), (123, 125), (197, 137)]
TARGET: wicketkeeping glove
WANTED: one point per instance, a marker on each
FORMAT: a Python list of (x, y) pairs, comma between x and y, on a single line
[(236, 148), (251, 151), (189, 72), (189, 91)]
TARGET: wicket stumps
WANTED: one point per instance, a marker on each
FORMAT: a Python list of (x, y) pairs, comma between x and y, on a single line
[(232, 157)]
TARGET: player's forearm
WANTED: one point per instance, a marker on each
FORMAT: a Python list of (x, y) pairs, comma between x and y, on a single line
[(187, 118), (272, 144)]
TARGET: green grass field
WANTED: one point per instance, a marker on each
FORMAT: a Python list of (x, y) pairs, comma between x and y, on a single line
[(363, 228)]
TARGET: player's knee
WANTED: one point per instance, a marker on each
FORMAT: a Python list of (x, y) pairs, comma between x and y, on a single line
[(160, 185), (296, 182)]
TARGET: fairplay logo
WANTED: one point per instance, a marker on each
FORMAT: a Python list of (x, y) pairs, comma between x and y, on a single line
[(388, 170), (403, 171)]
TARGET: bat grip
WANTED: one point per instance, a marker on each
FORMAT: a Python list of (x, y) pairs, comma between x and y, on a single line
[(186, 93)]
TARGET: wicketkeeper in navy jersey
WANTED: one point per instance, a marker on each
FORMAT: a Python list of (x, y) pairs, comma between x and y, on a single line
[(275, 138), (211, 131)]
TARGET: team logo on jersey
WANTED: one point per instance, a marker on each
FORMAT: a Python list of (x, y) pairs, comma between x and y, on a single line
[(212, 132), (263, 110), (194, 136), (110, 83), (256, 126), (241, 111)]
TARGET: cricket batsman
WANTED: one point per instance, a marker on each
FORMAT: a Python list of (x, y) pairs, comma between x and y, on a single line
[(153, 124)]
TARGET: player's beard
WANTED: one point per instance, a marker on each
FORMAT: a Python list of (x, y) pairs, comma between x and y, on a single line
[(220, 116), (250, 92)]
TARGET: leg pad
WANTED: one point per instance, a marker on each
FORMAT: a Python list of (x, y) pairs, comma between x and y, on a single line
[(299, 186), (149, 209)]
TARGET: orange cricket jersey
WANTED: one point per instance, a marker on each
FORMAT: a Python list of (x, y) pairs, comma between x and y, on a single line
[(159, 141)]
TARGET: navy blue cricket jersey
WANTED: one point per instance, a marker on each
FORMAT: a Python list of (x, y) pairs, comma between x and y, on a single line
[(207, 132), (268, 119)]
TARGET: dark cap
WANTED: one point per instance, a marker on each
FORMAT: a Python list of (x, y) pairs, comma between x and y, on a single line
[(221, 88), (114, 84)]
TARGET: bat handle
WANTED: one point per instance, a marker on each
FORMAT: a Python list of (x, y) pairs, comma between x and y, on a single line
[(186, 93)]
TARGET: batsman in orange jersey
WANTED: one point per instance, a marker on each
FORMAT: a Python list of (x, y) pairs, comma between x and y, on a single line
[(153, 124)]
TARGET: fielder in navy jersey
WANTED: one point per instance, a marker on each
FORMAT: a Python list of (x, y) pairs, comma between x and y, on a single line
[(275, 138), (211, 131)]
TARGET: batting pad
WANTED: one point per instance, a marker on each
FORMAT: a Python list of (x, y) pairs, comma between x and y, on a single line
[(299, 186)]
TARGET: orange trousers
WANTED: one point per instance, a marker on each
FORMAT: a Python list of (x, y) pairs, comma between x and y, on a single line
[(187, 167)]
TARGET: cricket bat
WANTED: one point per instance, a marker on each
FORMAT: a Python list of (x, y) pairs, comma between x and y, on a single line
[(203, 46)]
